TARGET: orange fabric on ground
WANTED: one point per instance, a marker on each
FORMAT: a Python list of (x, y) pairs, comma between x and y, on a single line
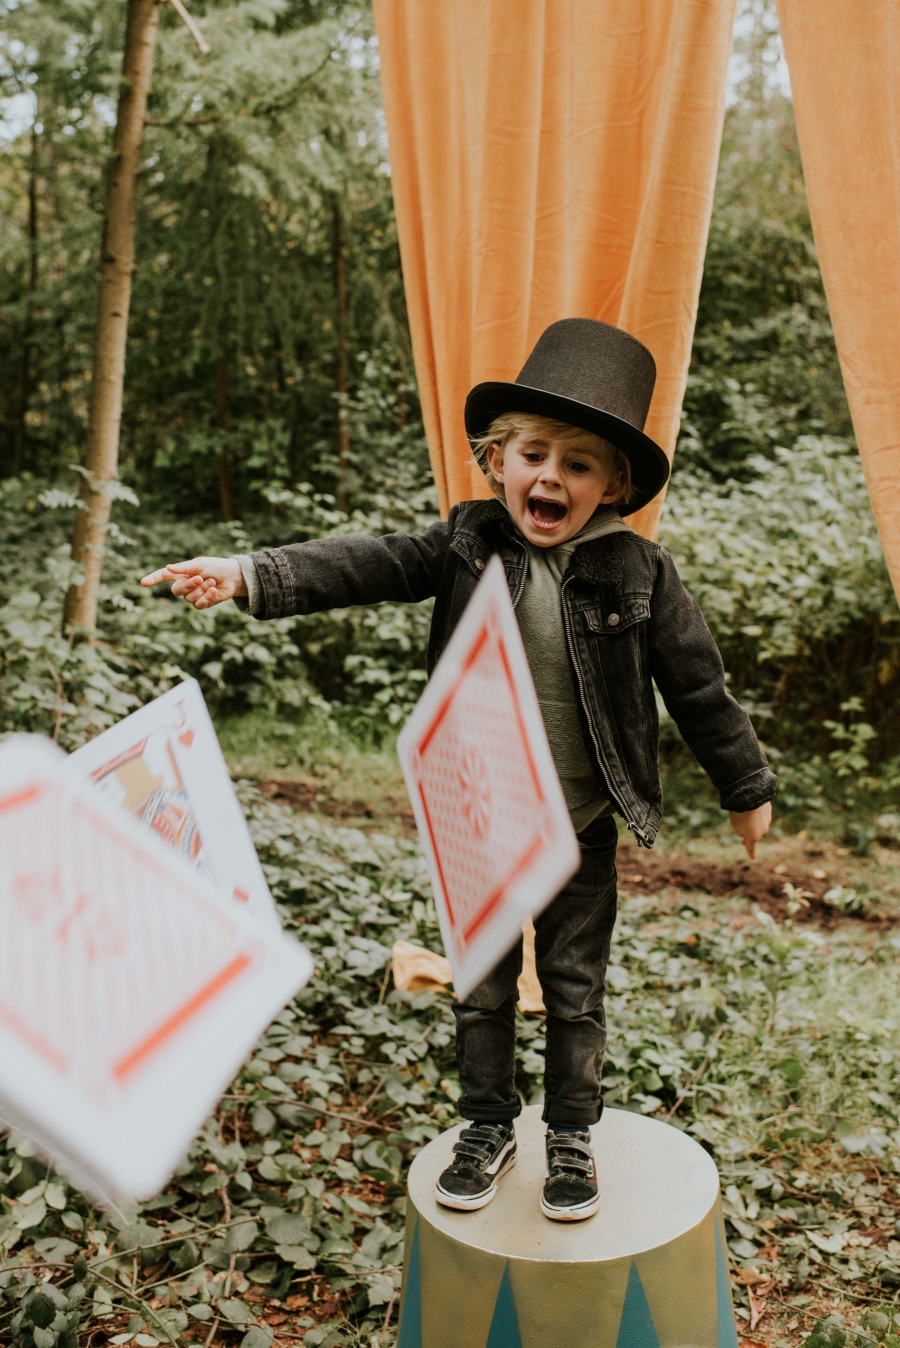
[(418, 970), (843, 59), (550, 159)]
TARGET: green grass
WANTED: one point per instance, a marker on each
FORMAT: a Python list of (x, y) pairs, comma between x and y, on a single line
[(775, 1046), (262, 748)]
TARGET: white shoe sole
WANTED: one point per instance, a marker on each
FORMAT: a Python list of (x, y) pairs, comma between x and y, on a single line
[(479, 1200), (576, 1214)]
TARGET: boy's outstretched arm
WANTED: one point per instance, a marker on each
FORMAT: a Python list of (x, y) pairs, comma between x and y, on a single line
[(202, 581), (324, 573)]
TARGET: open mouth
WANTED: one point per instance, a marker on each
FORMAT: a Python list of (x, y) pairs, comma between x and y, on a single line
[(546, 513)]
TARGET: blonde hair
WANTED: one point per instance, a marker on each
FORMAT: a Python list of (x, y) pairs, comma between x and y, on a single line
[(503, 428)]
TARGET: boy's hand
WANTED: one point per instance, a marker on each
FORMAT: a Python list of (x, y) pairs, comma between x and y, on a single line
[(751, 825), (203, 581)]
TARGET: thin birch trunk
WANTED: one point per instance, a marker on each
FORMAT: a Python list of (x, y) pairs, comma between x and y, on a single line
[(116, 271), (340, 380), (28, 325), (222, 425)]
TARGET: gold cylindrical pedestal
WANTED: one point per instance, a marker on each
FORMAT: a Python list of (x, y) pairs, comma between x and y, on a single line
[(647, 1271)]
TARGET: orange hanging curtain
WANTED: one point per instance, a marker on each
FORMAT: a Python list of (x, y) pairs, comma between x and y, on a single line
[(550, 159), (844, 60)]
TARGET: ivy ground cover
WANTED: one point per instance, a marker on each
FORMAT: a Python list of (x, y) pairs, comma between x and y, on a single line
[(773, 1042)]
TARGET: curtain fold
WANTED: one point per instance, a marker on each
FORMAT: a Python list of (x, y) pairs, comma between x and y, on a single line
[(550, 159), (844, 61)]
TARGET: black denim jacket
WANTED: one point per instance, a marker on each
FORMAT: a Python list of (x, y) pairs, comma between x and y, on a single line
[(629, 621)]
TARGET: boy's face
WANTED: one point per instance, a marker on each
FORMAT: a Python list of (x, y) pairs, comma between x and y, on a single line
[(553, 486)]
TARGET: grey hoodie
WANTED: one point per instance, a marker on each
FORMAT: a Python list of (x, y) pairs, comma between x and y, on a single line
[(539, 613)]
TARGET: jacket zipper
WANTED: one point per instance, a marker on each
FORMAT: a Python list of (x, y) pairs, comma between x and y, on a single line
[(631, 824), (521, 586)]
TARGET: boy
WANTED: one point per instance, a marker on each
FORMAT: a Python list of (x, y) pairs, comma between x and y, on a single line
[(603, 615)]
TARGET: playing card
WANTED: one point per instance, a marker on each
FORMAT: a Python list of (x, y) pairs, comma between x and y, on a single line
[(130, 992), (163, 764), (484, 789)]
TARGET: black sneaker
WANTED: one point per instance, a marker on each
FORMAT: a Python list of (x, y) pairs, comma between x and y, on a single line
[(481, 1155), (570, 1190)]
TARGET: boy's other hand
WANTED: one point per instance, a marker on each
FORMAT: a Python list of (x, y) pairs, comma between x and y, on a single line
[(751, 825), (202, 581)]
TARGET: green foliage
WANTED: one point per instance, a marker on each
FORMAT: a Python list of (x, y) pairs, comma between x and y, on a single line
[(363, 667), (248, 155), (773, 1047), (788, 571), (826, 1335), (764, 368), (875, 1327), (786, 567), (778, 1051)]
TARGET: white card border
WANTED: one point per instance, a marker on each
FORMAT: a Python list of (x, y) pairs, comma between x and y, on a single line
[(220, 819), (492, 600), (132, 1151)]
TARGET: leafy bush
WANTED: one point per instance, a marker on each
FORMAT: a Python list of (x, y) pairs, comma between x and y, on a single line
[(786, 566), (775, 1048), (362, 665), (788, 570)]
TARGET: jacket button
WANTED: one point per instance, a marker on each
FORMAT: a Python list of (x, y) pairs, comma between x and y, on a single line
[(479, 566), (613, 620)]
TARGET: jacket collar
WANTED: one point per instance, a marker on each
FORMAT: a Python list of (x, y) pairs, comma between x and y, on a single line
[(479, 526), (599, 562)]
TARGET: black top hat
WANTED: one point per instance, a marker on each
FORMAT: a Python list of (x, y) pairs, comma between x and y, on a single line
[(590, 375)]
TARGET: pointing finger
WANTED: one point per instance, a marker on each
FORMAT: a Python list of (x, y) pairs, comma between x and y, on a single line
[(173, 571), (157, 577)]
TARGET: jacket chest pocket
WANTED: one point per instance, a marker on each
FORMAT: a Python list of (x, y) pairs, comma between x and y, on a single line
[(616, 616)]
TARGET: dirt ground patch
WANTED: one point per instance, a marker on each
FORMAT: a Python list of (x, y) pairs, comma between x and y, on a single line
[(310, 797), (790, 879), (775, 888)]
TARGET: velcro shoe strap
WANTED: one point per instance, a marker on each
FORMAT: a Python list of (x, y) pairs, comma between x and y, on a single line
[(476, 1134), (477, 1153), (571, 1163), (562, 1150), (567, 1142)]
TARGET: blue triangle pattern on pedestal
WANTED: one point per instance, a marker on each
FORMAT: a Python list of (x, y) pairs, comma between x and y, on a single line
[(636, 1327), (411, 1315), (726, 1334), (504, 1332)]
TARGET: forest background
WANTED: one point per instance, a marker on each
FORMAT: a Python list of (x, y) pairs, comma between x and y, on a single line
[(270, 397)]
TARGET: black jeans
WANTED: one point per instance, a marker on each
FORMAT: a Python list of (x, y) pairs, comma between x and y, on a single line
[(572, 941)]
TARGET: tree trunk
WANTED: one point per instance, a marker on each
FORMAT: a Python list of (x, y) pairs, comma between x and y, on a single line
[(340, 380), (28, 325), (116, 270), (222, 425)]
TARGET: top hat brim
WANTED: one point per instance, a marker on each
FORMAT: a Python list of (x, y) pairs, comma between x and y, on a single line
[(649, 465)]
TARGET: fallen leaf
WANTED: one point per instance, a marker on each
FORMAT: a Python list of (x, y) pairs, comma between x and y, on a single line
[(830, 1244), (749, 1277), (757, 1301), (235, 1310)]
